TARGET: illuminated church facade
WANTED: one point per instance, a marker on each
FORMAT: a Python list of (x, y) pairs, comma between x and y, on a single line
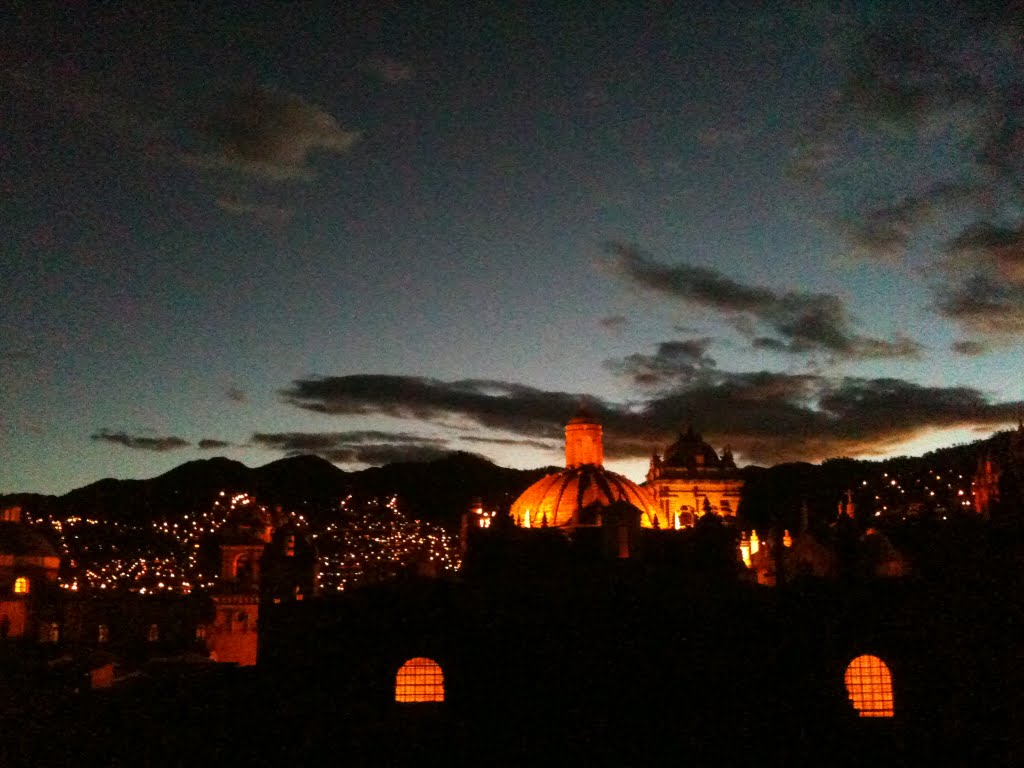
[(690, 480)]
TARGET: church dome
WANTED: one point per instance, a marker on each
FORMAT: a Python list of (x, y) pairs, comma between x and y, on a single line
[(575, 496), (22, 541), (690, 451)]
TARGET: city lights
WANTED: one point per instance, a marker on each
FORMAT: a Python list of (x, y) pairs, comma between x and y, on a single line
[(364, 542)]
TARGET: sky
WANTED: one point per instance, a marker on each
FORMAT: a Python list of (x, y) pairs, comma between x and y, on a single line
[(383, 232)]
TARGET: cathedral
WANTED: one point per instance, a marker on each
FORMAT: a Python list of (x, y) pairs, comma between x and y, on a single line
[(687, 482), (690, 480)]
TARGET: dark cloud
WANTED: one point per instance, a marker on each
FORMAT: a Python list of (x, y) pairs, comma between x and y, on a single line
[(767, 417), (969, 347), (390, 69), (983, 305), (141, 442), (14, 355), (801, 322), (901, 77), (269, 134), (983, 289), (614, 323), (929, 115), (523, 442), (236, 395), (884, 231), (999, 249), (699, 285), (369, 447), (673, 362), (208, 444), (496, 404), (266, 213)]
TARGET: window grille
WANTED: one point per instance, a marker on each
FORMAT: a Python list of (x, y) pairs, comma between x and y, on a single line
[(419, 680), (869, 685)]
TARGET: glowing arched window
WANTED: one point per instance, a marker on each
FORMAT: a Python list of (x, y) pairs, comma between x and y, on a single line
[(103, 634), (153, 634), (21, 586), (419, 679), (869, 684)]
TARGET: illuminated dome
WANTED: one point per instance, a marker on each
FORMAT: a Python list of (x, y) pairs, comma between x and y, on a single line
[(577, 495)]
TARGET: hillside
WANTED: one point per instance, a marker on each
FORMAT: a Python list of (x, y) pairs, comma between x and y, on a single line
[(931, 485), (437, 491)]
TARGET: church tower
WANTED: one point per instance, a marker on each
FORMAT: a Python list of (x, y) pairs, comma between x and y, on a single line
[(584, 441), (233, 635)]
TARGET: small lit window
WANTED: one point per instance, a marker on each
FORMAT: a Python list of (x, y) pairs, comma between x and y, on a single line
[(419, 680), (869, 684), (153, 634), (53, 632), (103, 635), (289, 546), (201, 632), (21, 586)]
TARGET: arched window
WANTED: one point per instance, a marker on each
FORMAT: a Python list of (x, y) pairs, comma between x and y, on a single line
[(103, 635), (153, 634), (869, 685), (245, 567), (21, 586), (419, 680)]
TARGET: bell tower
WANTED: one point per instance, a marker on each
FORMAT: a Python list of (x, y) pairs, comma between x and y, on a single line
[(232, 637), (584, 442)]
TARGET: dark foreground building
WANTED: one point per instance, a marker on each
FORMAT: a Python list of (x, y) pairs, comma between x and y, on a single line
[(620, 662), (595, 640), (615, 664)]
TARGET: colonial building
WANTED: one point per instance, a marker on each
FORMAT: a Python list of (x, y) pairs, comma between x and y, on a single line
[(998, 481), (691, 479), (28, 580)]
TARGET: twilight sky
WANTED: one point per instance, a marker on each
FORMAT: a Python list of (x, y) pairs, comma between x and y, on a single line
[(383, 233)]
